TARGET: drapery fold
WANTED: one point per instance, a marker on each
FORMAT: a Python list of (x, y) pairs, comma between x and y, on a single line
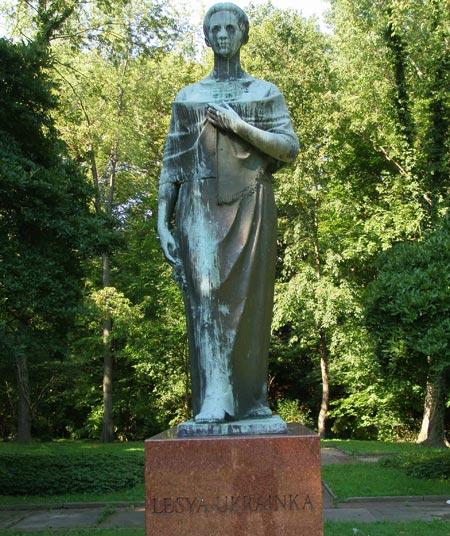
[(195, 149)]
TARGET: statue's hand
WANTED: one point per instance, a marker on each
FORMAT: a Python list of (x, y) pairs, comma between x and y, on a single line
[(168, 246), (223, 116)]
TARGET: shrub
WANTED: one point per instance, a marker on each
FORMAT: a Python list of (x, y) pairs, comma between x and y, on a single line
[(292, 411), (423, 465), (26, 474)]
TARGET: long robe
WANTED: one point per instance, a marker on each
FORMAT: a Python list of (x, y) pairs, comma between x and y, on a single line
[(225, 230)]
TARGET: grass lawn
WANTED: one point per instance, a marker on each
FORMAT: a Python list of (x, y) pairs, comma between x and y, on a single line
[(133, 494), (411, 528), (416, 528), (374, 480), (346, 480), (358, 447), (68, 447)]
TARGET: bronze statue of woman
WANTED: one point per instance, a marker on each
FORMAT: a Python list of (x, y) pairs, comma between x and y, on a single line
[(217, 221)]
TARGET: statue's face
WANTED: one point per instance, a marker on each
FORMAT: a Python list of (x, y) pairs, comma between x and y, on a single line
[(224, 35)]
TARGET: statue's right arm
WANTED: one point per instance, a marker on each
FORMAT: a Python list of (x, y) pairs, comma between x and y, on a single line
[(167, 199), (277, 145)]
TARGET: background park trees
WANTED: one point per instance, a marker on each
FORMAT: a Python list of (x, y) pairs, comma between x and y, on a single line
[(392, 61), (362, 293), (47, 230)]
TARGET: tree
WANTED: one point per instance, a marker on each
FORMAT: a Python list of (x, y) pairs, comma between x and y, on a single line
[(312, 305), (392, 65), (45, 223), (104, 81), (408, 312), (116, 109)]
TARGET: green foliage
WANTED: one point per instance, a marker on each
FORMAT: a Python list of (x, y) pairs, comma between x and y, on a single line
[(47, 229), (291, 411), (408, 314), (381, 410), (407, 305), (387, 59), (25, 101), (361, 208), (427, 465), (132, 77), (49, 469), (22, 474)]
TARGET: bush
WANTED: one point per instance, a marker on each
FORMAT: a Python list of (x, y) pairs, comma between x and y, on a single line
[(292, 411), (425, 465), (35, 474)]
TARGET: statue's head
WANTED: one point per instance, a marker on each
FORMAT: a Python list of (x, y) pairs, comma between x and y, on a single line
[(225, 14)]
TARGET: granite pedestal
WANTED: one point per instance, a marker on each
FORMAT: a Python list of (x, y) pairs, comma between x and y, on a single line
[(234, 486)]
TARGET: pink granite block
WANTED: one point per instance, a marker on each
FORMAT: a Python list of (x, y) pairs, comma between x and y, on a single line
[(234, 486)]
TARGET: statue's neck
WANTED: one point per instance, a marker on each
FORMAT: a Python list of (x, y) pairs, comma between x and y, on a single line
[(227, 68)]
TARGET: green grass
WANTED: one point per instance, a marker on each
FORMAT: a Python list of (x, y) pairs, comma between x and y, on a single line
[(71, 447), (411, 528), (346, 480), (135, 494), (375, 480), (355, 447)]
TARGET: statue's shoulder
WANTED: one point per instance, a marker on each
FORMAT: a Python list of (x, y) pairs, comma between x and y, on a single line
[(246, 88), (262, 84), (187, 93), (262, 88)]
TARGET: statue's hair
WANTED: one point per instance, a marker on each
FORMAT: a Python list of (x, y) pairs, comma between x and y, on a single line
[(227, 6)]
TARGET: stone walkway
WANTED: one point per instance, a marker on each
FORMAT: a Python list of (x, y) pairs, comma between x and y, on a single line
[(132, 515), (120, 516)]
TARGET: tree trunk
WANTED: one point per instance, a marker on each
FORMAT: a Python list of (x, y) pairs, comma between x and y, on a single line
[(108, 427), (24, 407), (432, 433), (325, 385), (323, 349), (107, 434)]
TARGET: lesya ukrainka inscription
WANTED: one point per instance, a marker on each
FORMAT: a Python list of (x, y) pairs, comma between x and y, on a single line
[(230, 504)]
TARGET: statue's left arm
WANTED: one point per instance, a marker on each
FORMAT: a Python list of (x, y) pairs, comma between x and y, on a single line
[(277, 145)]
